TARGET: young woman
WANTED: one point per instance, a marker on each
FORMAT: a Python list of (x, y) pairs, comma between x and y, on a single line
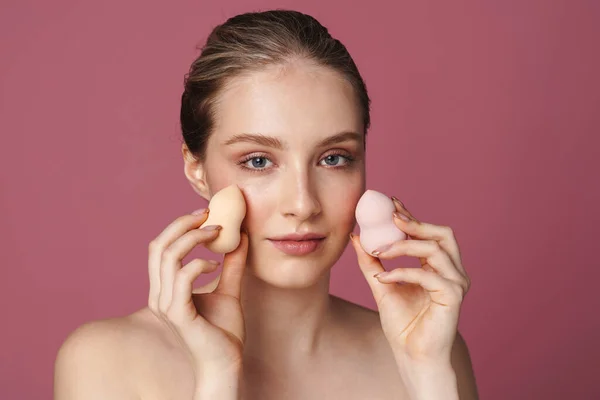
[(275, 105)]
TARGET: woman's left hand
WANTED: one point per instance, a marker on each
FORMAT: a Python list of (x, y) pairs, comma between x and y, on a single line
[(420, 316)]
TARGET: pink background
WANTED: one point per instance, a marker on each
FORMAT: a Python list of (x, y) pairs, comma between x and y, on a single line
[(485, 118)]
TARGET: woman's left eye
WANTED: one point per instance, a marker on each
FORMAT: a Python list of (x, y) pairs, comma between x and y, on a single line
[(333, 159)]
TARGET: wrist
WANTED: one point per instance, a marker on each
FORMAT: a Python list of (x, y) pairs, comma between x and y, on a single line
[(429, 380), (214, 382)]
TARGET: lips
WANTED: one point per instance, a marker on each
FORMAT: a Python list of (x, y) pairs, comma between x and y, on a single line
[(298, 244), (297, 247), (299, 237)]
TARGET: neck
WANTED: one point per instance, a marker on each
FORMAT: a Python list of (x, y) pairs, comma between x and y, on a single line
[(283, 326)]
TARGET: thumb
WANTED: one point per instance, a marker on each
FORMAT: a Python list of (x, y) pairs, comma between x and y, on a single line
[(234, 263), (370, 266)]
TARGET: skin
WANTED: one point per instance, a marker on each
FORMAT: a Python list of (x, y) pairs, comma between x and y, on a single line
[(294, 333)]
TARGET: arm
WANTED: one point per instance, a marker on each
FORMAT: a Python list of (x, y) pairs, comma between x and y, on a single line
[(463, 367), (87, 366), (454, 380)]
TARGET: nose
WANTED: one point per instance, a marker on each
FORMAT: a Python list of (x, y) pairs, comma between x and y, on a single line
[(299, 196)]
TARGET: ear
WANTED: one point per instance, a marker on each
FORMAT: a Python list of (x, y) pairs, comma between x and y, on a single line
[(195, 173)]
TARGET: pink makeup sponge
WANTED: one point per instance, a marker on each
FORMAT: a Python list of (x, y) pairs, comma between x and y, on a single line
[(226, 208), (374, 217)]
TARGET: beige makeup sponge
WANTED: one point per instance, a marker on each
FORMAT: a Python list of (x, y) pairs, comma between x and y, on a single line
[(374, 217), (226, 208)]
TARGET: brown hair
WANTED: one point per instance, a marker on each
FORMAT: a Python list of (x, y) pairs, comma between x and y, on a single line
[(247, 42)]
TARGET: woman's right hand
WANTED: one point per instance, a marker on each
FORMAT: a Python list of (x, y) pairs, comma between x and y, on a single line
[(210, 326)]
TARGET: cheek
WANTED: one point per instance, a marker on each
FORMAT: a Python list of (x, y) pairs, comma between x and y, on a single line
[(256, 191), (260, 204), (219, 177), (340, 202)]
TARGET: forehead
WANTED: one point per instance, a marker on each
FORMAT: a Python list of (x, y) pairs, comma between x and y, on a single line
[(298, 100)]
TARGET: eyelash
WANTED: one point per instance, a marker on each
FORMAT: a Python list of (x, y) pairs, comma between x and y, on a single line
[(349, 160)]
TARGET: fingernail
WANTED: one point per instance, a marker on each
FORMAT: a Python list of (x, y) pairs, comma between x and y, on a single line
[(381, 249), (212, 228), (401, 216), (351, 236), (398, 201), (380, 274), (200, 211)]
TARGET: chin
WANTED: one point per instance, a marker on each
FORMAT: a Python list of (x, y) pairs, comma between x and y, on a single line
[(274, 267)]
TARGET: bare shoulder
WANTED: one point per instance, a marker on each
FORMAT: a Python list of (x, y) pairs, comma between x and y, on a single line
[(355, 316), (113, 358), (362, 328)]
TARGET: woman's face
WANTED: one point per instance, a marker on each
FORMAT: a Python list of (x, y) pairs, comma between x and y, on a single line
[(292, 140)]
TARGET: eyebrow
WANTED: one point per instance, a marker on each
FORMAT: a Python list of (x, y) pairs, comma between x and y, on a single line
[(270, 141)]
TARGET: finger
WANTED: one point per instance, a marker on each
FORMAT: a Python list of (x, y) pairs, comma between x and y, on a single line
[(182, 307), (442, 291), (401, 207), (234, 263), (160, 243), (173, 255), (425, 231), (369, 266), (429, 250)]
